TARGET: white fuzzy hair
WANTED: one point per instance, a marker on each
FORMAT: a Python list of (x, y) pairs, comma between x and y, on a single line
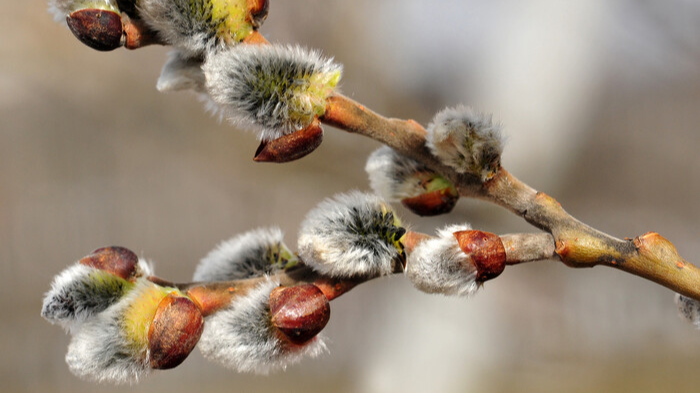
[(242, 337), (388, 171), (144, 268), (466, 140), (60, 9), (439, 265), (181, 72), (688, 309), (340, 237), (243, 256), (233, 76), (80, 292), (192, 32), (100, 350)]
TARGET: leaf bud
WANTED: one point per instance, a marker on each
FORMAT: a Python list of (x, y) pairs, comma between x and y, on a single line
[(300, 312)]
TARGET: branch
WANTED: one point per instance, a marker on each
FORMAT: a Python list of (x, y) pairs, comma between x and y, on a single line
[(213, 296), (577, 245)]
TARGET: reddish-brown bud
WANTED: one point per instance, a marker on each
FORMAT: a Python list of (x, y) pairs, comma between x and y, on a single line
[(432, 203), (292, 146), (656, 246), (485, 250), (174, 331), (99, 29), (119, 261), (257, 11), (299, 312)]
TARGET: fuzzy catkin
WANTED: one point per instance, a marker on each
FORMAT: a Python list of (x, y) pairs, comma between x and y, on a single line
[(388, 171), (198, 27), (354, 234), (244, 256), (466, 140), (271, 89), (80, 292), (439, 265), (104, 348), (242, 336)]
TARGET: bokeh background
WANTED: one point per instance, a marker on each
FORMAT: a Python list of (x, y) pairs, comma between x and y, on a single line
[(599, 100)]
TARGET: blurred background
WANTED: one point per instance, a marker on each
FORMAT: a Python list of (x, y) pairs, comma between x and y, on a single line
[(599, 100)]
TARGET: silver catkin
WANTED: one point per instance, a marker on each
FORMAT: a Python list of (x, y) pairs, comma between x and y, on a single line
[(273, 90)]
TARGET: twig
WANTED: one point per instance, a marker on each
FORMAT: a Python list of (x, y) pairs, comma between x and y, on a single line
[(577, 244), (213, 296)]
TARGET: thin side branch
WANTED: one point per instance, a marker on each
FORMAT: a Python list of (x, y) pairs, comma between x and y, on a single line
[(211, 297)]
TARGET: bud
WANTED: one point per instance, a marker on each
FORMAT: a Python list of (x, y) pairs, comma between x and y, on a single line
[(467, 141), (438, 265), (486, 252), (292, 146), (203, 26), (396, 177), (354, 234), (244, 338), (300, 312), (96, 23), (274, 90), (174, 332), (258, 10), (151, 327), (433, 203), (99, 29), (251, 254), (119, 261)]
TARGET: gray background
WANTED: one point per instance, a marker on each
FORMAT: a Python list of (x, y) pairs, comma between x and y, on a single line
[(599, 101)]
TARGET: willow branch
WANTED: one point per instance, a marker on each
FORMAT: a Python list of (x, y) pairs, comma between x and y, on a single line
[(576, 244), (213, 296)]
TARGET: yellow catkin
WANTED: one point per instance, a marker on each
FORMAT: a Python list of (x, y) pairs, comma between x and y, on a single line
[(234, 25), (139, 314), (310, 101)]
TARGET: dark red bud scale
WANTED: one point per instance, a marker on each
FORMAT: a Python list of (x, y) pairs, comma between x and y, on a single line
[(119, 261), (485, 250), (257, 11), (432, 203), (292, 146), (300, 312), (99, 29), (174, 331)]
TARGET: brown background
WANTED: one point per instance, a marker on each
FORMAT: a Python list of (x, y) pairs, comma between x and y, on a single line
[(599, 102)]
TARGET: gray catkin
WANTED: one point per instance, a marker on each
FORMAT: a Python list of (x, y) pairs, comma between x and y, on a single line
[(262, 87)]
